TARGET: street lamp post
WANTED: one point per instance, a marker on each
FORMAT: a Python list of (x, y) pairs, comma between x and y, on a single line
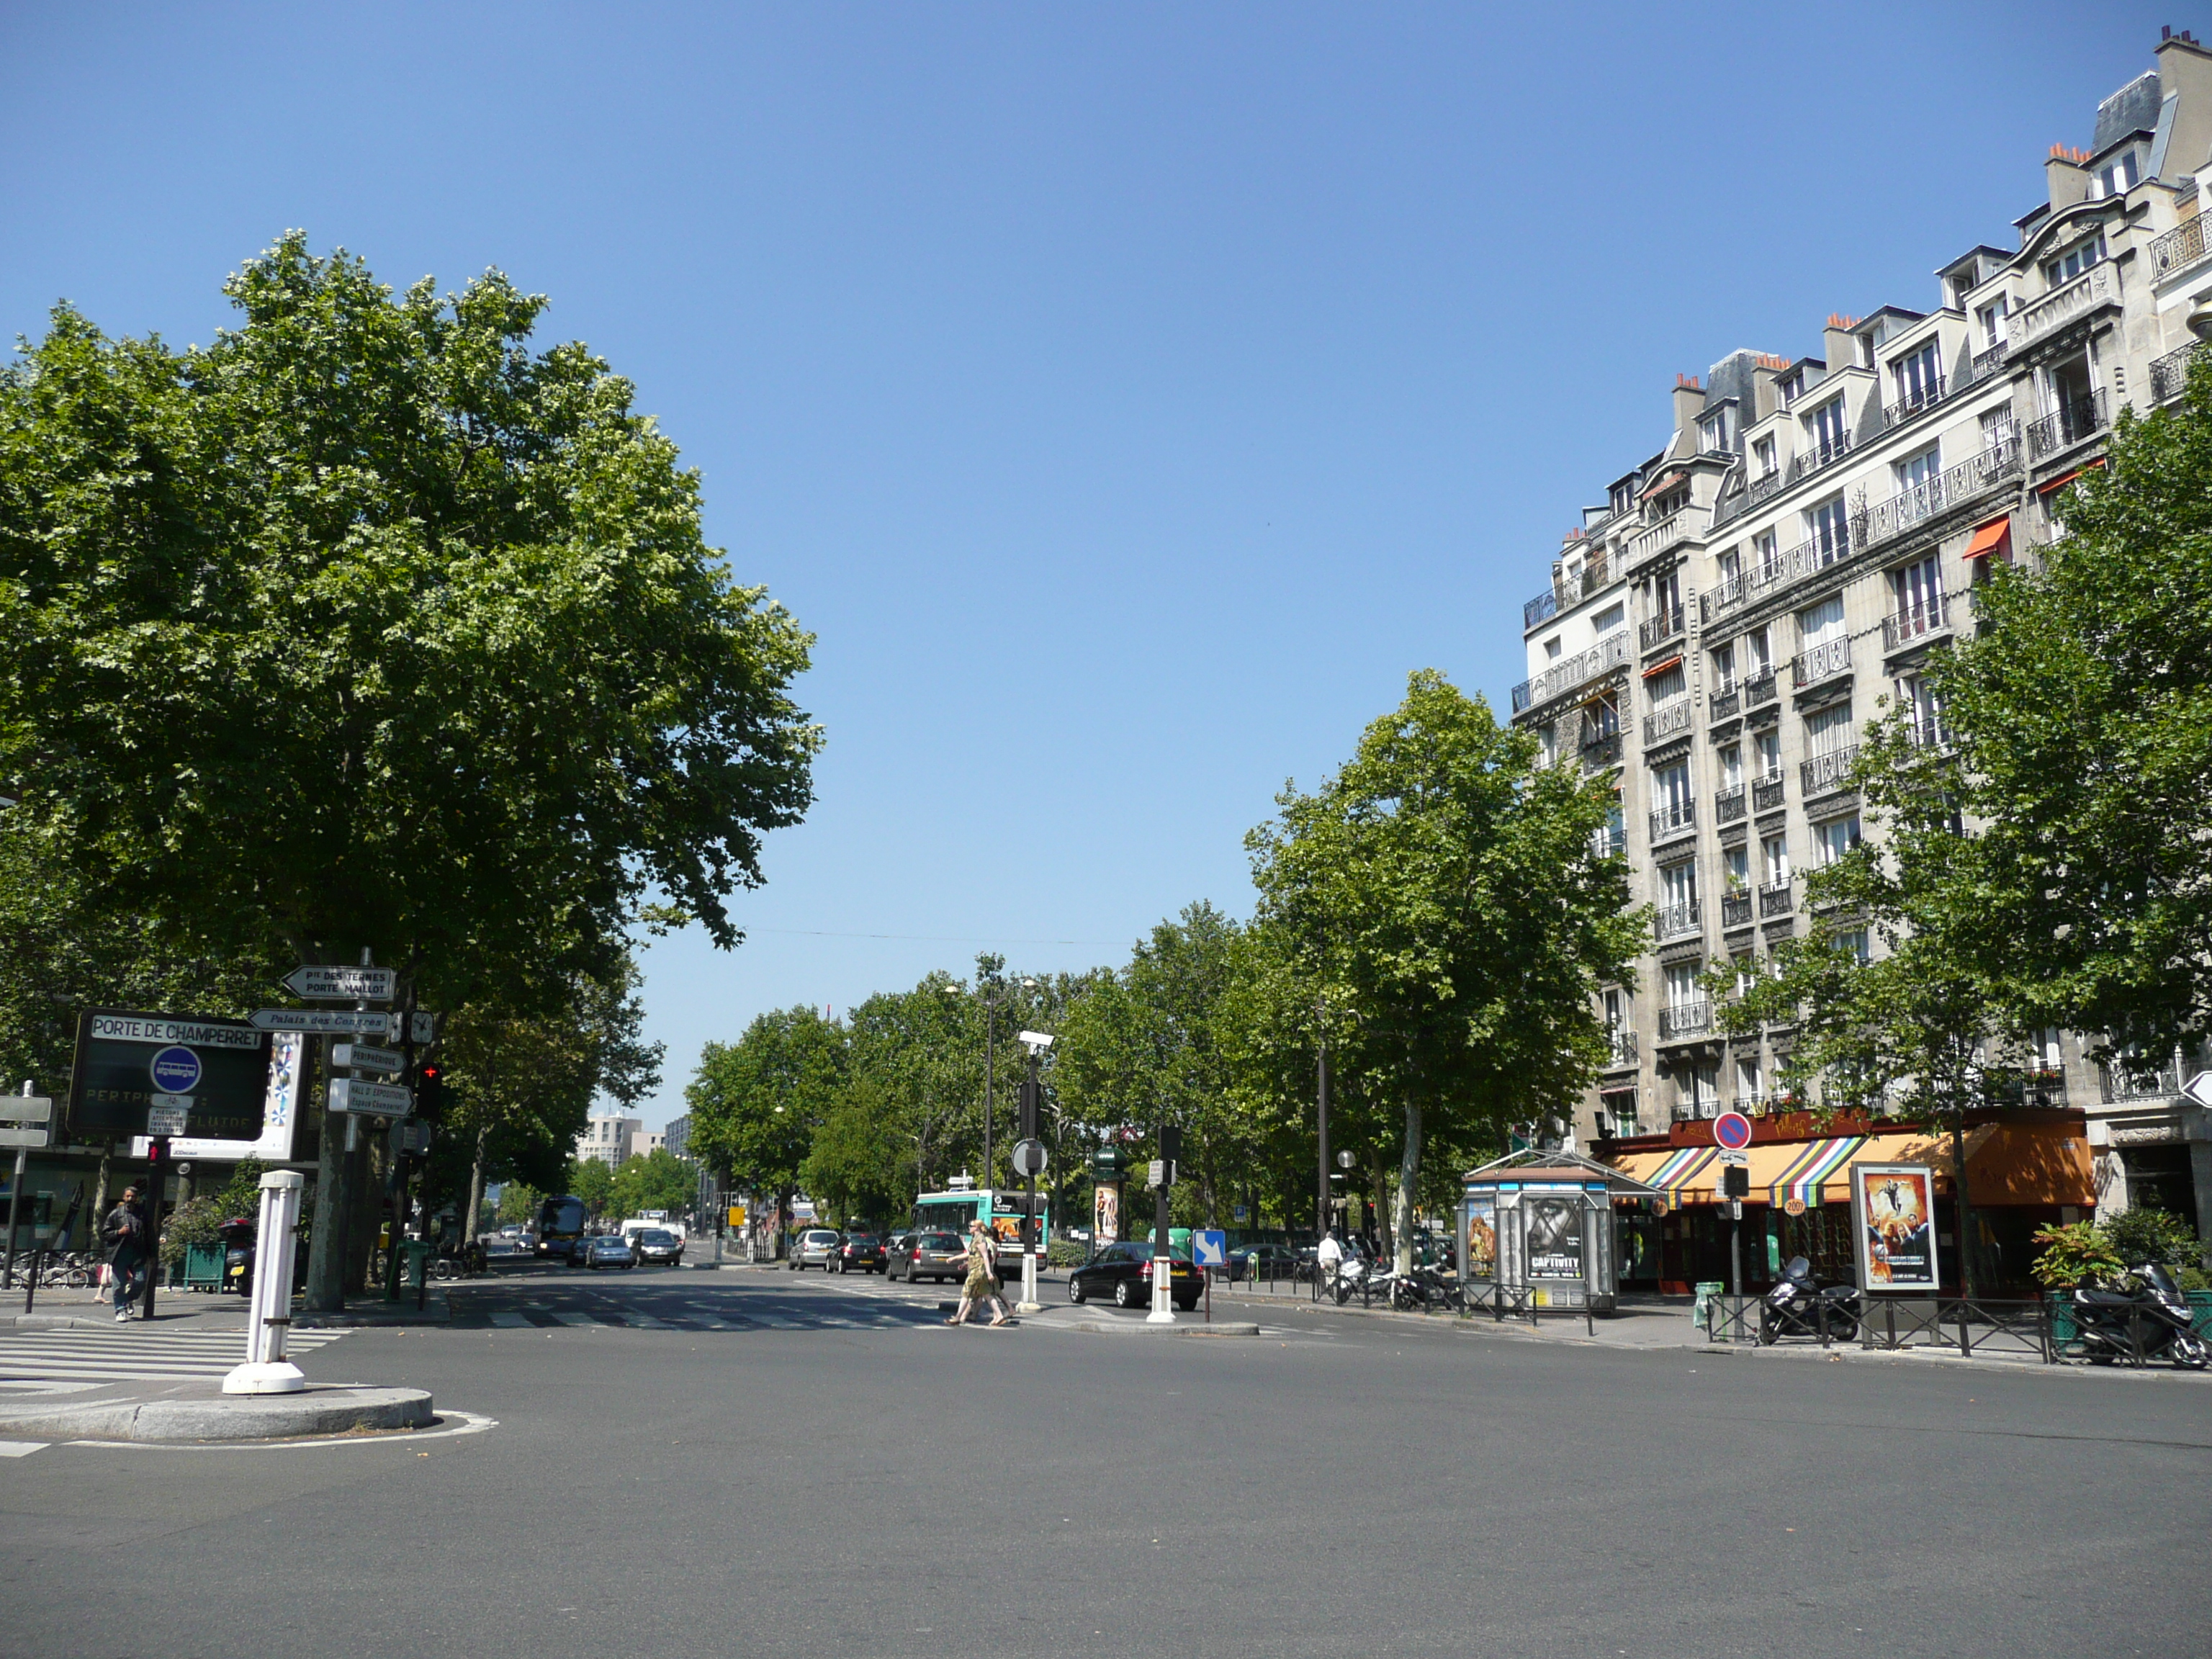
[(1321, 1195), (990, 1063)]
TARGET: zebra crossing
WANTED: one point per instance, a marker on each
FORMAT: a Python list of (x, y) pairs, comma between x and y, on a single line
[(697, 1316), (129, 1354)]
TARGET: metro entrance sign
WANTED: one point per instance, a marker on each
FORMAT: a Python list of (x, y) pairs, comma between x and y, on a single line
[(321, 983), (1732, 1131)]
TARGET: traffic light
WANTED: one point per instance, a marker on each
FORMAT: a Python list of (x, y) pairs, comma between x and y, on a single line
[(1031, 1090), (430, 1089), (157, 1157)]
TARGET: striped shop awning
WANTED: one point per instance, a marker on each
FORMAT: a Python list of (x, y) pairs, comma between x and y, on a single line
[(1675, 1176), (1817, 1162)]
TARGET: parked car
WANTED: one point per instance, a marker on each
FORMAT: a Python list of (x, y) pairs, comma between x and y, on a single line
[(858, 1253), (658, 1247), (608, 1250), (898, 1247), (1263, 1260), (813, 1248), (1124, 1273), (937, 1257)]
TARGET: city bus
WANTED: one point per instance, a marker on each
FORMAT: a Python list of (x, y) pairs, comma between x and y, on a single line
[(1001, 1212)]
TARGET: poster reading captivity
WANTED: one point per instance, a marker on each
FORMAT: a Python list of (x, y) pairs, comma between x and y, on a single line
[(1555, 1236), (1894, 1205)]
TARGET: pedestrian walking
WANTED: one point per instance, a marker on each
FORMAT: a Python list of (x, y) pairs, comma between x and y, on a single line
[(124, 1232), (983, 1284)]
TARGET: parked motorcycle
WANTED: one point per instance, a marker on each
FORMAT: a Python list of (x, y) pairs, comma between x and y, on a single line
[(1799, 1305), (2152, 1318), (237, 1238)]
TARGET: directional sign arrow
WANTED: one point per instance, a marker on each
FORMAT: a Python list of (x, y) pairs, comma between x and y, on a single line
[(361, 1057), (336, 1022), (26, 1109), (2199, 1089), (353, 1094), (334, 984)]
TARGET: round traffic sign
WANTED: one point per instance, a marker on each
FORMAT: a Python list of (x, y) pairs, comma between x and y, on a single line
[(1029, 1157), (176, 1070), (1733, 1131)]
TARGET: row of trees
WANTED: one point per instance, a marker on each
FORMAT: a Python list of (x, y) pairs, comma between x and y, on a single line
[(370, 627), (2046, 859), (1436, 918)]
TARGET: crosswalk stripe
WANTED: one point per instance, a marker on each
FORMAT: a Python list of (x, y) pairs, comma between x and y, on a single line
[(577, 1319), (21, 1448), (131, 1355), (507, 1321)]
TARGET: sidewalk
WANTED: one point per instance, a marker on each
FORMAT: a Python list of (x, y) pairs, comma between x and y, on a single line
[(191, 1310)]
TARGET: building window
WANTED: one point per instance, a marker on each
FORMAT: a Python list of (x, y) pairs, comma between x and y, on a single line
[(2121, 177), (1996, 427), (1758, 654), (1828, 528), (1825, 427), (1747, 1072), (1919, 471), (2075, 260), (1855, 943), (1731, 566), (1623, 496), (1919, 378), (1768, 551), (1774, 856), (1829, 730), (1836, 837), (1768, 747), (1552, 648), (1670, 792), (1731, 760), (1763, 453), (1724, 668), (1923, 709), (1666, 599), (1601, 718), (1609, 618), (1822, 623), (1991, 317), (1735, 862), (1682, 990), (1669, 687), (1919, 592), (1718, 432)]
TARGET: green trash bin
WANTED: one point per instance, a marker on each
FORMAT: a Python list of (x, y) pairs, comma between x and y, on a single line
[(204, 1267), (1701, 1310)]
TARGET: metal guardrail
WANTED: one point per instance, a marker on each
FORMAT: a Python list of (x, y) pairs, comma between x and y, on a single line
[(2170, 373), (1728, 805), (1913, 402), (1676, 820), (1686, 1018), (1725, 705), (1760, 691), (1665, 722), (1736, 910), (1775, 898), (1919, 622), (2178, 249), (1954, 486), (1608, 652), (1823, 662), (1767, 794), (1829, 771), (1657, 630), (1677, 921), (2075, 421)]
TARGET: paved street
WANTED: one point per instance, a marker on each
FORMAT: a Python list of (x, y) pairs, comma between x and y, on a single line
[(703, 1463)]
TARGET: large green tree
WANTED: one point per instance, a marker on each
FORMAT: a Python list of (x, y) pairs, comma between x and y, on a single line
[(369, 625), (657, 1180), (757, 1102), (1442, 896)]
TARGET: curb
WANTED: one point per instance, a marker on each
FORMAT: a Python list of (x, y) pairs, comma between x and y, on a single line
[(318, 1411), (1219, 1328)]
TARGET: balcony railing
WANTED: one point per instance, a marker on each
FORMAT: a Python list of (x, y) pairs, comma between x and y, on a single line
[(2178, 249), (1823, 662), (1928, 729), (1674, 527), (1609, 843), (2072, 423), (1917, 622), (1775, 898), (1539, 610), (1659, 630), (2118, 1084), (1677, 819), (1686, 1018), (1599, 753), (1758, 689), (1676, 920), (2096, 286), (1664, 722), (1765, 487), (1736, 910), (1725, 705), (1620, 1048), (1912, 404), (1951, 487), (1820, 456), (1766, 793), (1825, 772), (1988, 361), (1724, 593), (2169, 374), (1608, 652), (1728, 805)]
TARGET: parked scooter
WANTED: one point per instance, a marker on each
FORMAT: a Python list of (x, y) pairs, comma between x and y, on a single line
[(2152, 1319), (1799, 1305), (237, 1238)]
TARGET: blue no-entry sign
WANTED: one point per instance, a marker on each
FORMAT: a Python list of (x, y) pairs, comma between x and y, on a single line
[(175, 1069), (1733, 1131), (1209, 1248)]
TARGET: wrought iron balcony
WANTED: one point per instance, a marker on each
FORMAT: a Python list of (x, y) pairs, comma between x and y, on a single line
[(1823, 662), (1765, 487), (1609, 843), (1666, 721), (2170, 373), (1912, 404), (1827, 772), (1728, 805), (1677, 919), (1758, 689), (2118, 1084), (1724, 595), (1951, 487), (1820, 456), (1677, 819), (2073, 422), (1620, 1048), (1988, 361), (1736, 910), (1776, 898), (1766, 793), (2095, 289), (2178, 249), (1928, 729), (1725, 704), (1539, 610), (1686, 1018), (1600, 752), (1657, 630), (1917, 622), (1608, 652)]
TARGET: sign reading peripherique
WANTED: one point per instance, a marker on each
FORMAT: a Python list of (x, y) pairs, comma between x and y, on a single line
[(125, 1060)]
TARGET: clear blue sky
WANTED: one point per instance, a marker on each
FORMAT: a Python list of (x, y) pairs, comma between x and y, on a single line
[(1128, 396)]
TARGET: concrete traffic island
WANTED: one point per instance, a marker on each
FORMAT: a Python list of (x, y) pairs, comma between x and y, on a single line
[(207, 1416)]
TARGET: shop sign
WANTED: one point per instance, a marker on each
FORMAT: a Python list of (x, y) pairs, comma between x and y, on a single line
[(1894, 1215), (1793, 1206)]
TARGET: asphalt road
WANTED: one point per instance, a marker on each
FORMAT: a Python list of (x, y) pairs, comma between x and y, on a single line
[(837, 1473)]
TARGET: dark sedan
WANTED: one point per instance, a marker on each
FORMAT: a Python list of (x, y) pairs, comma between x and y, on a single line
[(1124, 1272), (858, 1253), (940, 1256), (658, 1246)]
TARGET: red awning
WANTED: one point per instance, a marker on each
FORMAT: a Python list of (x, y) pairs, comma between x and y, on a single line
[(1658, 668), (2061, 482), (1993, 537), (1664, 484)]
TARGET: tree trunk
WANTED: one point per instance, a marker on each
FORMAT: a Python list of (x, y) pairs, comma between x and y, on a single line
[(472, 1222), (325, 1249), (1409, 1172), (1965, 1217)]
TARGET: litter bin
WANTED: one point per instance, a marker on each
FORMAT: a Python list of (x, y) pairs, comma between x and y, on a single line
[(415, 1265), (204, 1267), (1701, 1310)]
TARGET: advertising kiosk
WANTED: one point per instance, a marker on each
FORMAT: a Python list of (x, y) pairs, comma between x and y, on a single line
[(1538, 1226)]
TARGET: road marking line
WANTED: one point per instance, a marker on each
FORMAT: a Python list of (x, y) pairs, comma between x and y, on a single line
[(508, 1321), (577, 1319), (22, 1447)]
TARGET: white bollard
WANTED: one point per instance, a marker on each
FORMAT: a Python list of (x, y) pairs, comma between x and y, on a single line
[(266, 1370)]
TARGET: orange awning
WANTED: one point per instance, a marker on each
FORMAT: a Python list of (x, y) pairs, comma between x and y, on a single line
[(2061, 482), (1661, 667), (2006, 1163), (1993, 537)]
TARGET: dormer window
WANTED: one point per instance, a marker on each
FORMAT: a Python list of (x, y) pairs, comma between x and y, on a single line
[(1623, 496), (1763, 453), (1791, 386), (2075, 260), (1717, 431), (1991, 317), (2120, 176)]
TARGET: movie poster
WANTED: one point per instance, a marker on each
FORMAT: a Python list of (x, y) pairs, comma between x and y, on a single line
[(1554, 1236), (1482, 1236), (1894, 1208), (1105, 1216)]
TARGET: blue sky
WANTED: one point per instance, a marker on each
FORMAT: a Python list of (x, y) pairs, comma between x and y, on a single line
[(1128, 396)]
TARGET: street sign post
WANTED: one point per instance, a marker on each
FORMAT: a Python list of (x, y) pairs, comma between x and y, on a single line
[(321, 983), (359, 1057), (1209, 1249), (26, 1115), (1732, 1130), (328, 1022), (1029, 1157), (365, 1099), (2199, 1089)]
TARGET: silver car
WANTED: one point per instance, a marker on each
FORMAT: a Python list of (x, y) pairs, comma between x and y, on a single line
[(813, 1249), (940, 1256)]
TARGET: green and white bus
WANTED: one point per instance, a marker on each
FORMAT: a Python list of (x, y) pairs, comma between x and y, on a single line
[(1001, 1212)]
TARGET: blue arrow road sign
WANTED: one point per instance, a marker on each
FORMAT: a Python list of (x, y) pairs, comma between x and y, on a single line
[(1209, 1248)]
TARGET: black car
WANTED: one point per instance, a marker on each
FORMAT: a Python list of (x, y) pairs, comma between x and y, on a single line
[(858, 1253), (659, 1245), (1264, 1262), (1124, 1273)]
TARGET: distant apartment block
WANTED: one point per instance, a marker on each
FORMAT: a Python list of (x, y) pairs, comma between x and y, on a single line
[(611, 1139)]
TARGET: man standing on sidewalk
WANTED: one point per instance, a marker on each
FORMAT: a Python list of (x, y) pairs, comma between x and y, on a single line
[(125, 1234)]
